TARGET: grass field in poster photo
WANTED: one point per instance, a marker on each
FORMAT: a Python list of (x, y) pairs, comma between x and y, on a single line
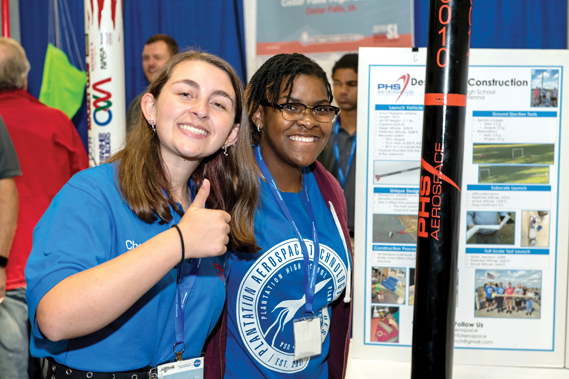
[(513, 153), (513, 174)]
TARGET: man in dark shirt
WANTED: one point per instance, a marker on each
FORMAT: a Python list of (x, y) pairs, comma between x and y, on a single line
[(339, 157)]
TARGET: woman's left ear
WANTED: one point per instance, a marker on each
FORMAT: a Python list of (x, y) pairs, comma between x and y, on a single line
[(148, 106), (233, 135)]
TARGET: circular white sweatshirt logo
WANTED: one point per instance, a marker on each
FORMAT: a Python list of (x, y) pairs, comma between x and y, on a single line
[(264, 312)]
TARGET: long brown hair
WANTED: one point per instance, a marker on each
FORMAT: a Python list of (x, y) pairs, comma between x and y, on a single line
[(144, 182)]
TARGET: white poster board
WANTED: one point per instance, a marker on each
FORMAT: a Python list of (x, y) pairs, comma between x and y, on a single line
[(514, 164)]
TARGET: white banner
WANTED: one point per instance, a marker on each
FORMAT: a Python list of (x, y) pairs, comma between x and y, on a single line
[(105, 78)]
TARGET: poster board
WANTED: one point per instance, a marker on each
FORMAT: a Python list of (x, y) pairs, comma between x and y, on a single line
[(515, 159), (324, 30)]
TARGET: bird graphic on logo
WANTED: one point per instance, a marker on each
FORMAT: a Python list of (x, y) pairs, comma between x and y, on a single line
[(289, 309), (405, 79)]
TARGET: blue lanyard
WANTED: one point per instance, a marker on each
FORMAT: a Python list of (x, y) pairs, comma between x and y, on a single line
[(341, 176), (181, 304), (309, 278), (182, 300)]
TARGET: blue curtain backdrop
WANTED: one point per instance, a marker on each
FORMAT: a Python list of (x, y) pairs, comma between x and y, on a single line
[(507, 24), (216, 26)]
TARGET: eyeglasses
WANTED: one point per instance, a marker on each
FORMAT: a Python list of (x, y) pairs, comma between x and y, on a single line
[(296, 111)]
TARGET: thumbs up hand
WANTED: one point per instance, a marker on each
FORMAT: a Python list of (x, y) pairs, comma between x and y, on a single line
[(205, 231)]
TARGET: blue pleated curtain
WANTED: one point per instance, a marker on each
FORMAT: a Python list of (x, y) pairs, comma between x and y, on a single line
[(216, 26)]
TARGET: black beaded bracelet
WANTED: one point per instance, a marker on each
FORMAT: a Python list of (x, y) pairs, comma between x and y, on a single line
[(3, 261), (182, 241)]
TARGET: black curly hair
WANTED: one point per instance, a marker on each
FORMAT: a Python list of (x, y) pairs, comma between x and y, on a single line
[(265, 85)]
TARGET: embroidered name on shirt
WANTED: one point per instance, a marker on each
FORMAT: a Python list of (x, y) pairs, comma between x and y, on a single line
[(130, 244)]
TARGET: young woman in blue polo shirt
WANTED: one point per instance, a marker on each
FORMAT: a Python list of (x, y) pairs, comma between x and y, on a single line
[(129, 264)]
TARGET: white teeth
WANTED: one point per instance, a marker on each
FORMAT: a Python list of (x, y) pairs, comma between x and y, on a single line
[(191, 129), (302, 139)]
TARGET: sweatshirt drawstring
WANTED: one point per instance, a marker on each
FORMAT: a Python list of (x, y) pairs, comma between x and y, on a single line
[(348, 296)]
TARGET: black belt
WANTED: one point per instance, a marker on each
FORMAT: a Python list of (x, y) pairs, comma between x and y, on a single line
[(54, 370)]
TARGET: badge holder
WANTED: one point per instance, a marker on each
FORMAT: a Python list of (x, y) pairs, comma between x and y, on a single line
[(187, 369), (307, 337)]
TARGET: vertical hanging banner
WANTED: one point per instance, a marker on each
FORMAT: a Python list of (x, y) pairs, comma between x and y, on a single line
[(105, 78), (439, 192), (327, 29)]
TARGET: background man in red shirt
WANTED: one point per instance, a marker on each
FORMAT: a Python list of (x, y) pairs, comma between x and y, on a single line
[(50, 151)]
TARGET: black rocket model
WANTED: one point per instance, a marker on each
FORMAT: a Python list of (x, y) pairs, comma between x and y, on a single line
[(439, 191)]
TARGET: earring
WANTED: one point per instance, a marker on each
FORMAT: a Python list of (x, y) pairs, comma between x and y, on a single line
[(225, 150), (152, 125), (259, 128)]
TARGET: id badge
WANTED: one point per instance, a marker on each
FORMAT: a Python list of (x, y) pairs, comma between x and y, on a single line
[(307, 339), (187, 369)]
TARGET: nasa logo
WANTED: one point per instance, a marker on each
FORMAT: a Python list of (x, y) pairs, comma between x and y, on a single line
[(265, 319), (197, 363)]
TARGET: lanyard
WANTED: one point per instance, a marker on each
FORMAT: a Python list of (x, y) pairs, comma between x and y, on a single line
[(341, 176), (182, 300), (181, 305), (309, 278)]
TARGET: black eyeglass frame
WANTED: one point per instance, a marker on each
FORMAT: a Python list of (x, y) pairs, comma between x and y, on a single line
[(280, 108)]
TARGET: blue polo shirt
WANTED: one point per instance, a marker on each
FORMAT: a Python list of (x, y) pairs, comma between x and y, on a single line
[(87, 224)]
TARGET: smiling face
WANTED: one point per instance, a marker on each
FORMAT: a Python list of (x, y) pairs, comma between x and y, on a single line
[(289, 145), (194, 113), (346, 89), (154, 56)]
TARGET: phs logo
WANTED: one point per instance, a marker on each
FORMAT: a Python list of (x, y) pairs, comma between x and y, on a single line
[(265, 321), (102, 103), (395, 89), (399, 88)]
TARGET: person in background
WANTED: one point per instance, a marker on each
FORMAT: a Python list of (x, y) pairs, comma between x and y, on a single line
[(529, 302), (129, 264), (339, 155), (518, 300), (500, 291), (50, 152), (301, 210), (489, 290), (13, 309), (157, 50), (485, 236), (509, 291)]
